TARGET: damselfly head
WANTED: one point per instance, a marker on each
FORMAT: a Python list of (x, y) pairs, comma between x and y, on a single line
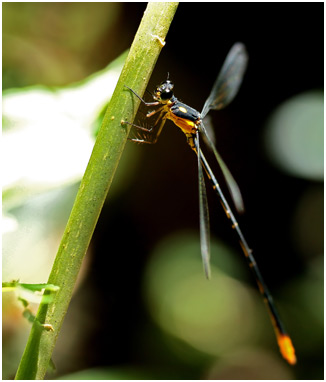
[(164, 91)]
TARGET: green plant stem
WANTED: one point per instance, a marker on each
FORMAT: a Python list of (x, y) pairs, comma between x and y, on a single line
[(94, 186)]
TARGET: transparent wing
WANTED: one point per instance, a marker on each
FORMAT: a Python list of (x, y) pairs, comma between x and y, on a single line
[(203, 213), (209, 129), (229, 79), (231, 183)]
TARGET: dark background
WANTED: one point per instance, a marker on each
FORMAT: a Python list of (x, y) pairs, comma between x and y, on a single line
[(285, 46)]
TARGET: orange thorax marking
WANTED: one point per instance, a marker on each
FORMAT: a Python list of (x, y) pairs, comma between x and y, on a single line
[(185, 125)]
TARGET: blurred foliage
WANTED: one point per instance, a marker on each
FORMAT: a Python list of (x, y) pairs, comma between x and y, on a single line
[(53, 43), (180, 298), (43, 163), (155, 316), (42, 171), (67, 114), (295, 136), (110, 373)]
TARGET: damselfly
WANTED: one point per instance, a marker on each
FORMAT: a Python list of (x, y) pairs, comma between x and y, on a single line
[(191, 122)]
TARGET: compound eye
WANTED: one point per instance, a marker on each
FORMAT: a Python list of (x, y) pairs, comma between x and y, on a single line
[(166, 94)]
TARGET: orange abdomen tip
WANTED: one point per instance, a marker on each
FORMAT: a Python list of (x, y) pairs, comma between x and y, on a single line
[(286, 348)]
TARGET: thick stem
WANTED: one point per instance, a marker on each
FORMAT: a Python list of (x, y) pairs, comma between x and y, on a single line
[(94, 186)]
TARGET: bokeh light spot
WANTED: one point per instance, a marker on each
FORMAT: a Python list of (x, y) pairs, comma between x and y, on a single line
[(295, 136), (214, 315)]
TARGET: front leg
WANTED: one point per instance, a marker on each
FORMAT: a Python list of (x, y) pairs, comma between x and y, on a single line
[(144, 102)]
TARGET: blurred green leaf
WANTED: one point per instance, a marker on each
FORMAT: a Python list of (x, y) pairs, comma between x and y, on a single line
[(47, 42), (6, 286), (205, 314), (42, 126), (30, 292), (295, 136), (111, 373)]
